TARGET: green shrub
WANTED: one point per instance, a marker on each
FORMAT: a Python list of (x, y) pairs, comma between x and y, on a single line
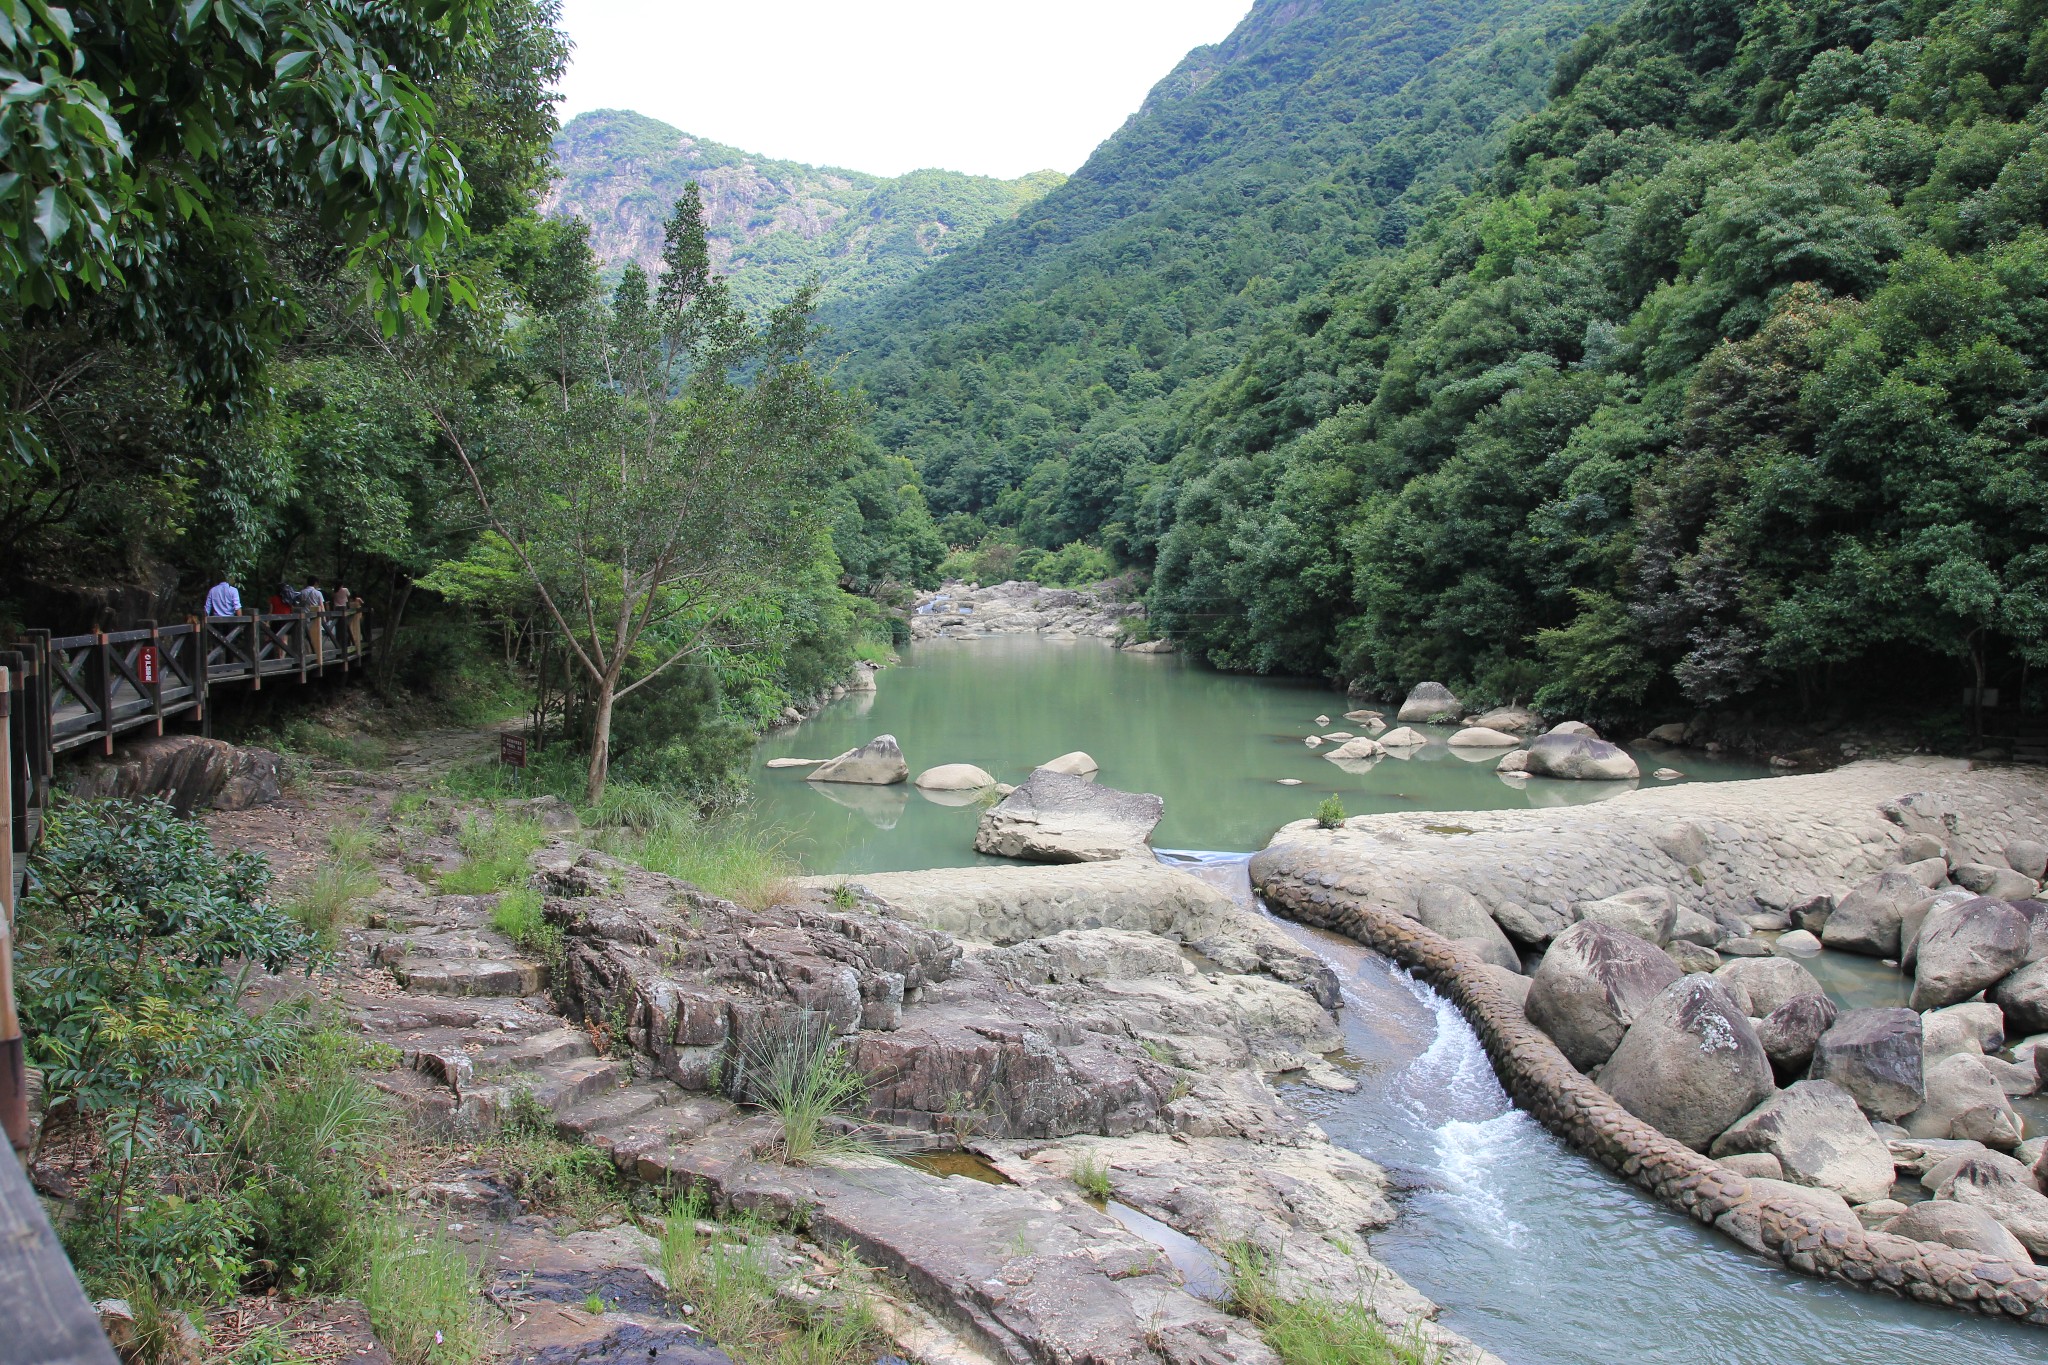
[(188, 1250), (421, 1296), (1330, 814)]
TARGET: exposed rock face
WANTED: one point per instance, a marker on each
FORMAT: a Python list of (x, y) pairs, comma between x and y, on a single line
[(1429, 703), (1965, 948), (1580, 758), (1874, 1054), (1457, 914), (1958, 1225), (1690, 1065), (2024, 998), (958, 611), (1790, 1033), (1819, 1137), (1480, 737), (1867, 919), (187, 771), (954, 777), (1761, 985), (1054, 818), (878, 763), (1965, 1100), (2003, 1188), (1591, 986), (1648, 912)]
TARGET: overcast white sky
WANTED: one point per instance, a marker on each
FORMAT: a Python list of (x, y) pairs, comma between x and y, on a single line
[(887, 86)]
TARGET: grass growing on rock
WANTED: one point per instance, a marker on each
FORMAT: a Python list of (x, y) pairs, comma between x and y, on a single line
[(421, 1294), (665, 833), (1312, 1329), (729, 1282), (518, 917), (799, 1071), (322, 902), (494, 854), (1093, 1177)]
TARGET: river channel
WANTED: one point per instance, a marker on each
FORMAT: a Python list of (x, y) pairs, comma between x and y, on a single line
[(1534, 1252)]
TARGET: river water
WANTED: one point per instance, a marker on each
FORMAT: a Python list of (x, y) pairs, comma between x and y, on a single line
[(1534, 1252)]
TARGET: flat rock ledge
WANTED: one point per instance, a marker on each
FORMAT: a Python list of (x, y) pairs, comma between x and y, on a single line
[(1313, 884)]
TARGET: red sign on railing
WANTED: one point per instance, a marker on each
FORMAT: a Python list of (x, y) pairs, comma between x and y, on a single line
[(145, 665)]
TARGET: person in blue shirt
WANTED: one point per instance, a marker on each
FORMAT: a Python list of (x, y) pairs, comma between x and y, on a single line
[(224, 600)]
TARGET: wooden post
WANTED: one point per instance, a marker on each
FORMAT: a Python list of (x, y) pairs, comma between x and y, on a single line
[(13, 1057), (202, 650), (156, 686), (103, 664), (299, 643)]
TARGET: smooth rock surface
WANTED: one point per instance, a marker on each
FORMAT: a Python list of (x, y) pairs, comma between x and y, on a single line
[(1963, 949), (1874, 1054), (1579, 758), (1958, 1225), (1867, 919), (1055, 818), (1761, 984), (878, 763), (1359, 748), (1965, 1101), (1457, 914), (1648, 912), (1429, 703), (1591, 986), (1404, 738), (1690, 1065), (2003, 1188), (2024, 998), (955, 777), (1073, 764), (1479, 737), (1820, 1138)]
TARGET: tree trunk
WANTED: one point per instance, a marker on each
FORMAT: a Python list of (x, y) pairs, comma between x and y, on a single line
[(601, 742)]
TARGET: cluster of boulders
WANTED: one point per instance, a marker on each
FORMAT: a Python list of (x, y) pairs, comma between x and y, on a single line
[(1571, 750), (862, 679), (963, 611)]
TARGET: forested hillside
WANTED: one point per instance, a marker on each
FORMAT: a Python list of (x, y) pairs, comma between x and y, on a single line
[(1039, 378), (772, 224), (1728, 382)]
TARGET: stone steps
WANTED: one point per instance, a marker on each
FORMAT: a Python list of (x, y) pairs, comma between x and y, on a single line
[(508, 976)]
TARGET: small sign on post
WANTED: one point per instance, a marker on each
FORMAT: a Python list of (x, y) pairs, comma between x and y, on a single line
[(512, 750), (145, 665)]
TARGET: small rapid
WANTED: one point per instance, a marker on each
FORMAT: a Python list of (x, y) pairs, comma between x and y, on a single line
[(1537, 1253)]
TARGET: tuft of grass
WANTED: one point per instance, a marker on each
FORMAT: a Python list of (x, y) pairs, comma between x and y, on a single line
[(735, 1300), (421, 1295), (1313, 1330), (639, 807), (797, 1069), (843, 897), (1330, 814), (725, 858), (323, 900), (356, 751), (1093, 1177), (594, 1306), (494, 854), (518, 917), (551, 1174)]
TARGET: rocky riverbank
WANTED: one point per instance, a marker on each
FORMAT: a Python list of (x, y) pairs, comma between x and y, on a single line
[(962, 611), (1668, 1002)]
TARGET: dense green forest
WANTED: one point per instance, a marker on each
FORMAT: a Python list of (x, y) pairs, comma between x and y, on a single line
[(1041, 379), (244, 318), (772, 223), (1727, 382)]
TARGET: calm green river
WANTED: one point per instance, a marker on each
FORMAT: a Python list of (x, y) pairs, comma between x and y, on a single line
[(1535, 1253), (1214, 745)]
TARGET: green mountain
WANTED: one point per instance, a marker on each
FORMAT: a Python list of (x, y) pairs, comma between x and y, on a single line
[(772, 223), (1730, 383), (1042, 378)]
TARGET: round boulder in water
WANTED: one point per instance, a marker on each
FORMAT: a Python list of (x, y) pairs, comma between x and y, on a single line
[(1075, 764), (954, 777), (1580, 758), (878, 763), (1430, 703), (1479, 737)]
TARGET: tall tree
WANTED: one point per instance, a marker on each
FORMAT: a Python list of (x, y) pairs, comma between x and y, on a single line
[(650, 460)]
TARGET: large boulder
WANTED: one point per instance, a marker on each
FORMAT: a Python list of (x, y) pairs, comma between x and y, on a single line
[(2028, 857), (1056, 818), (1404, 738), (1867, 919), (1964, 948), (1590, 987), (1820, 1138), (1790, 1033), (1874, 1054), (1761, 984), (1361, 748), (877, 763), (1963, 1226), (1430, 704), (1648, 912), (1579, 758), (2003, 1188), (1459, 915), (187, 771), (1973, 1026), (1965, 1100), (1479, 737), (1915, 919), (1511, 718), (2001, 882), (1573, 727), (954, 777), (2024, 998), (1690, 1065)]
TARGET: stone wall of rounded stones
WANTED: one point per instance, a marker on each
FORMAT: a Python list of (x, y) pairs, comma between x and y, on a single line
[(1307, 884)]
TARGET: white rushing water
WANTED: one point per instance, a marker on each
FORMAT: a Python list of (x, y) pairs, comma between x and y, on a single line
[(1543, 1257)]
